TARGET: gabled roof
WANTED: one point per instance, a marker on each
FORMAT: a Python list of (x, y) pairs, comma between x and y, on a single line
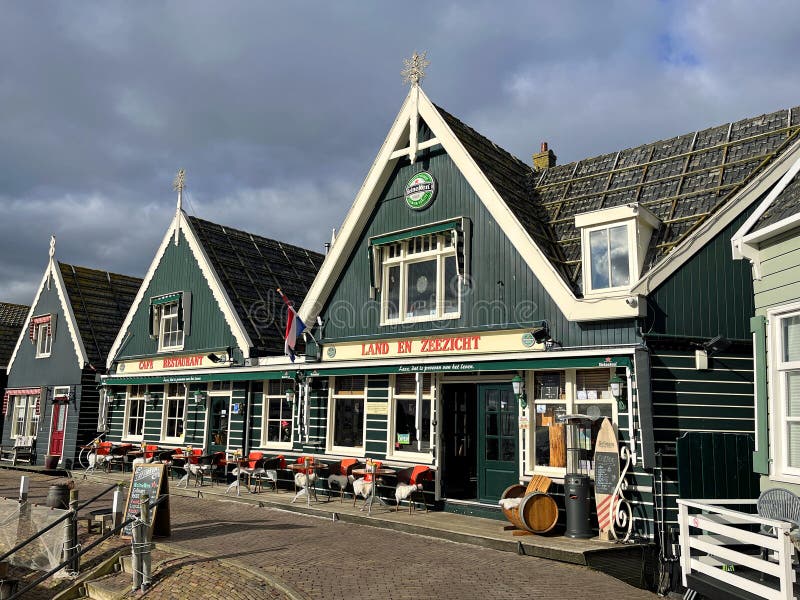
[(683, 181), (696, 184), (100, 300), (251, 268), (12, 322)]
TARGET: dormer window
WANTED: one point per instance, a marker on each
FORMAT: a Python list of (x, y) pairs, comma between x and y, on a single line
[(614, 242), (169, 320)]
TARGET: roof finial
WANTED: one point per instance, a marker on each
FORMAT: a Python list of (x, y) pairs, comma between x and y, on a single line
[(414, 71), (178, 185), (52, 246)]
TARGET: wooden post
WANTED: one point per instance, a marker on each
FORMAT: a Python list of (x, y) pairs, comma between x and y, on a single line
[(137, 538), (118, 506), (71, 535), (145, 542)]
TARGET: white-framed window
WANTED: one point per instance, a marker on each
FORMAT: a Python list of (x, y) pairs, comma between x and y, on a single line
[(562, 392), (174, 412), (278, 421), (41, 333), (346, 414), (784, 356), (135, 408), (25, 415), (420, 279), (410, 430), (170, 316), (614, 243)]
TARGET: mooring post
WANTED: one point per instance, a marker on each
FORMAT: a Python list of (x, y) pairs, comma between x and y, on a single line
[(72, 549), (117, 506), (137, 539), (145, 552)]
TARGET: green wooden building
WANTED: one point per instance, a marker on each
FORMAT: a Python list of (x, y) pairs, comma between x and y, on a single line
[(12, 320), (460, 268), (770, 241), (53, 388), (189, 366)]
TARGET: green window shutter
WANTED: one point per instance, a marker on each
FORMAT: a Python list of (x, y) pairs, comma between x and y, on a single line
[(186, 316), (758, 327)]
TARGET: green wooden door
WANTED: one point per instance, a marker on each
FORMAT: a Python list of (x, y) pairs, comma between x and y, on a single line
[(218, 424), (497, 440)]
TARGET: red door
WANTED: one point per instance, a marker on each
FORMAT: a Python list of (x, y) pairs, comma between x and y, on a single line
[(57, 429)]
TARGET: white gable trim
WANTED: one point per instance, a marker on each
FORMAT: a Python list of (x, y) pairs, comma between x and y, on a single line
[(573, 308), (77, 342), (180, 222), (745, 244), (712, 227)]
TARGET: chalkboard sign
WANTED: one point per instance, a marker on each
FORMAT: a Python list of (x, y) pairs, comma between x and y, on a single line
[(606, 472), (148, 479)]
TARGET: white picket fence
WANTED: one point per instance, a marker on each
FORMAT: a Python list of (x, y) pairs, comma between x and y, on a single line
[(716, 528)]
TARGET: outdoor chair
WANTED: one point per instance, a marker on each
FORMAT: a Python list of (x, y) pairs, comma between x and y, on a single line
[(341, 476), (778, 504), (117, 456), (363, 486), (410, 486), (23, 450), (305, 477)]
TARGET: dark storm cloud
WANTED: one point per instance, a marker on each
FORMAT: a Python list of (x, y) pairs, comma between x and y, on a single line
[(272, 106)]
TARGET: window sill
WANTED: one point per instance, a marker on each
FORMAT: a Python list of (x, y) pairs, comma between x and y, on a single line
[(425, 319), (131, 438), (784, 478), (277, 445), (170, 349), (355, 452), (420, 458), (43, 356)]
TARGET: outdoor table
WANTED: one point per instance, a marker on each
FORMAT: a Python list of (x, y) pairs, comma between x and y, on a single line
[(192, 467), (375, 474), (302, 468), (240, 463)]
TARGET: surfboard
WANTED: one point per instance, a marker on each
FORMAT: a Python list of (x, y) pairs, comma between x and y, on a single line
[(606, 476)]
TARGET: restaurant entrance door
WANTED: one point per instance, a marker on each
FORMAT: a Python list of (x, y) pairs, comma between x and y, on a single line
[(459, 441), (218, 423), (497, 440)]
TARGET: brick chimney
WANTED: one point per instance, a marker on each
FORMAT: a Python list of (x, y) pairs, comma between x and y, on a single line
[(544, 159)]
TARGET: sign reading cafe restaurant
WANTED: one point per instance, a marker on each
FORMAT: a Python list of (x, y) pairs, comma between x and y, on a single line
[(166, 363)]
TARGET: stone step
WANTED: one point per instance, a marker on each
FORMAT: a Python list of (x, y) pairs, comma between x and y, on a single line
[(110, 587), (126, 562)]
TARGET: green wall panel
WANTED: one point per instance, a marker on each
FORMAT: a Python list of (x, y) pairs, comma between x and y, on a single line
[(178, 271), (503, 291)]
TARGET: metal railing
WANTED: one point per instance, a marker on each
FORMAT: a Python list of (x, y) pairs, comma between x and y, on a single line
[(82, 551), (720, 533)]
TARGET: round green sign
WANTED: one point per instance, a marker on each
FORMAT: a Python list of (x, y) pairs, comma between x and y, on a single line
[(331, 351), (528, 340), (420, 190)]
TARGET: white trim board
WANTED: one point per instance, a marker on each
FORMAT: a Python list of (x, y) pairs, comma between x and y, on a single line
[(355, 222), (77, 342), (180, 222)]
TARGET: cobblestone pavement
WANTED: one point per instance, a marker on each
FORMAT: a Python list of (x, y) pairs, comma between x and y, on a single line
[(310, 557)]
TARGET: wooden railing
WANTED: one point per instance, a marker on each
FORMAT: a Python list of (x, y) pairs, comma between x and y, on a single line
[(714, 532)]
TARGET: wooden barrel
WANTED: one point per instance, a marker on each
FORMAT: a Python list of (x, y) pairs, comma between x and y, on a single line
[(538, 513), (513, 491)]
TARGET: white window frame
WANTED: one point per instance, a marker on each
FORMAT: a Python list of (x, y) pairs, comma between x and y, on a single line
[(778, 405), (162, 322), (428, 395), (267, 397), (572, 405), (165, 418), (405, 258), (354, 451), (640, 224), (42, 335), (24, 420), (134, 392)]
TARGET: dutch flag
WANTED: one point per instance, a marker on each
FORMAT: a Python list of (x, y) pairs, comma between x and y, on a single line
[(294, 327)]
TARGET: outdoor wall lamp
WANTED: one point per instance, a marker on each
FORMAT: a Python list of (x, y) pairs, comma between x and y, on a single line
[(518, 383), (150, 399), (541, 333), (226, 357), (290, 395), (615, 383), (200, 398)]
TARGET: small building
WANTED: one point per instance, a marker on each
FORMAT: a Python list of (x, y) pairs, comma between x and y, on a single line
[(186, 368), (461, 270), (54, 372), (12, 319)]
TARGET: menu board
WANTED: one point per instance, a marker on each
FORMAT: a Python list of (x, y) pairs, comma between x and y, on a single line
[(606, 472), (148, 479)]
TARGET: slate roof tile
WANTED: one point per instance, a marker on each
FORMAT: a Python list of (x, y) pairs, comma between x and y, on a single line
[(12, 322)]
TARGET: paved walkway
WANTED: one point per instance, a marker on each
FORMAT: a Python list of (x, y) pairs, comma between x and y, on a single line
[(307, 557)]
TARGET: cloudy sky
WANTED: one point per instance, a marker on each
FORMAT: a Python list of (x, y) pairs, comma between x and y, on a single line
[(276, 110)]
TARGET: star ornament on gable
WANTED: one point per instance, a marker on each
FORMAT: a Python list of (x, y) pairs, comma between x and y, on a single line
[(414, 71)]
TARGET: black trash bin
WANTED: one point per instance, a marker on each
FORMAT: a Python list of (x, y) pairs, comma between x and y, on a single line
[(578, 506)]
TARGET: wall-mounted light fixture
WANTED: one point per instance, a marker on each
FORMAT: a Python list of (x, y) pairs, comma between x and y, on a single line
[(541, 333), (200, 398), (224, 357), (290, 395), (615, 385), (518, 384)]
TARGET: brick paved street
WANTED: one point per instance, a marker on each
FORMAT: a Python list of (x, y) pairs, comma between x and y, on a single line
[(319, 558)]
